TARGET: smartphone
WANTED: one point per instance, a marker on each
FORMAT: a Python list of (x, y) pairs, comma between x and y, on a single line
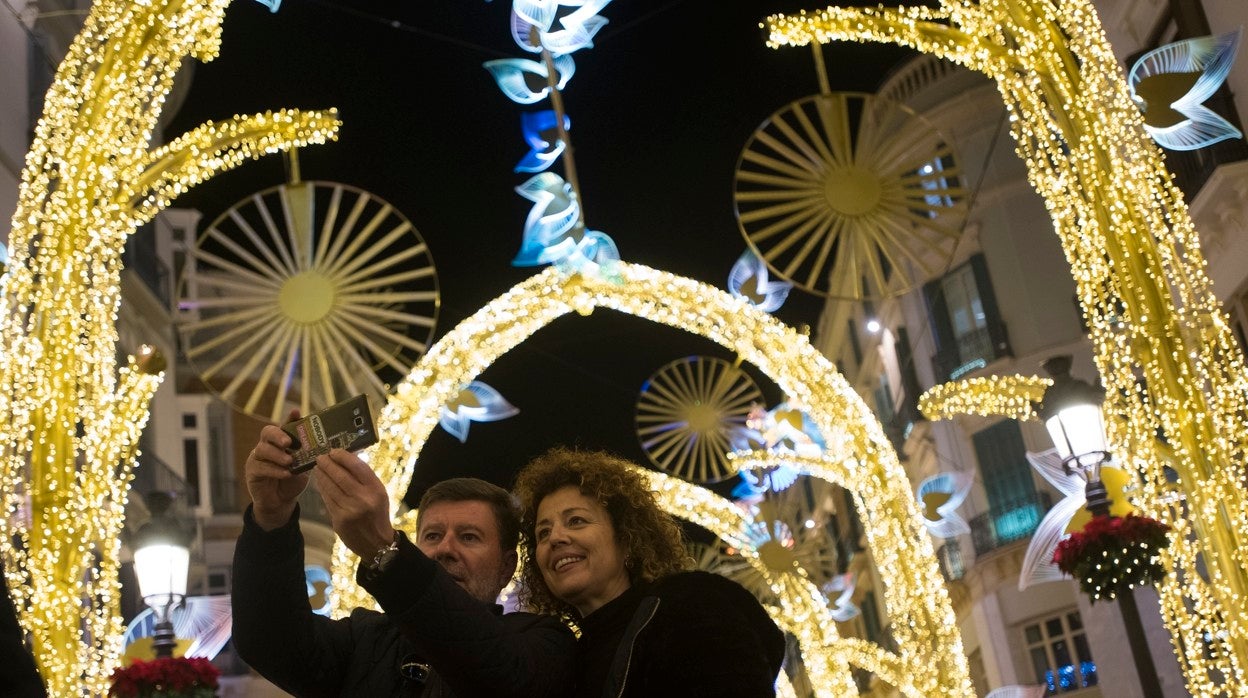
[(348, 424)]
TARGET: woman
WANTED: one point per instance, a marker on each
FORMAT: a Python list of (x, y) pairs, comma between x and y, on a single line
[(598, 550)]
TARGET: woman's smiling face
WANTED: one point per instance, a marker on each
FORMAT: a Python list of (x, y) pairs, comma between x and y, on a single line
[(577, 552)]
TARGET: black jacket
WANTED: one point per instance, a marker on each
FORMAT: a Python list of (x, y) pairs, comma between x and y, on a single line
[(18, 676), (688, 634), (472, 649)]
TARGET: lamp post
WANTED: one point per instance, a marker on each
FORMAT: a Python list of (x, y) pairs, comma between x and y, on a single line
[(161, 559), (1072, 414)]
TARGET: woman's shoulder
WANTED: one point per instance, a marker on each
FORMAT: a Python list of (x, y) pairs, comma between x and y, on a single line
[(706, 585)]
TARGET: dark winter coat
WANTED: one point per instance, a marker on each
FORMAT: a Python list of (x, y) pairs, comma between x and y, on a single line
[(687, 634), (472, 649), (18, 676)]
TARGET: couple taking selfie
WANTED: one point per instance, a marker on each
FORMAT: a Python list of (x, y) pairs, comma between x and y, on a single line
[(599, 556)]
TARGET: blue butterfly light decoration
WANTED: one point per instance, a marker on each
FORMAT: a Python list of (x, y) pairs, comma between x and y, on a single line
[(1171, 83), (749, 280), (939, 497), (842, 607), (271, 4), (554, 231), (786, 428), (477, 402)]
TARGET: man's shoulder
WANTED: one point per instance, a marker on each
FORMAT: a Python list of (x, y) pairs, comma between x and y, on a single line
[(524, 620)]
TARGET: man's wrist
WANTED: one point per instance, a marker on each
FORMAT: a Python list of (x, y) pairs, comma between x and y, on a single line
[(381, 559), (270, 518)]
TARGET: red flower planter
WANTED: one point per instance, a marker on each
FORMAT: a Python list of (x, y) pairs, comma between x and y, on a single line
[(1112, 554), (176, 677)]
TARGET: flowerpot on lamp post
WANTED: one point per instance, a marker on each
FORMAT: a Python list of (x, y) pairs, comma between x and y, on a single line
[(1072, 413)]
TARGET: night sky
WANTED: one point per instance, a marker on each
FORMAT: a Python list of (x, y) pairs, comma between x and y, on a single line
[(660, 108)]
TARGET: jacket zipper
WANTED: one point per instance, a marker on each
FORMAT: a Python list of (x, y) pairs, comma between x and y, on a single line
[(632, 644)]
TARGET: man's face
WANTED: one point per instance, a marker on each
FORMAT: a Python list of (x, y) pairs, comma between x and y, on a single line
[(463, 538)]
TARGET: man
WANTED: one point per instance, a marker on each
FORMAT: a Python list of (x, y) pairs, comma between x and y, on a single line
[(442, 634)]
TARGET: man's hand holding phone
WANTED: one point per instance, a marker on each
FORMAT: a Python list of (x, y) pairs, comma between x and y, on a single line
[(273, 486)]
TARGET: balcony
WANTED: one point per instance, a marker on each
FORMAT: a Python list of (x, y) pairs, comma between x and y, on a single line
[(949, 555), (152, 474), (1009, 522)]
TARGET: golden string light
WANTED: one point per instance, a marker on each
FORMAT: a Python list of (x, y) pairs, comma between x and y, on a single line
[(70, 419), (1009, 396), (1174, 375), (930, 661)]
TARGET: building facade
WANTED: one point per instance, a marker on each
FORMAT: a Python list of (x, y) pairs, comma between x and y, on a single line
[(1004, 305)]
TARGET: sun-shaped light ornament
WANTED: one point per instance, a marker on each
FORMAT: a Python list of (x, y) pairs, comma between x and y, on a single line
[(1068, 515), (849, 196), (1171, 83), (939, 497), (477, 402), (687, 413), (307, 292), (787, 534)]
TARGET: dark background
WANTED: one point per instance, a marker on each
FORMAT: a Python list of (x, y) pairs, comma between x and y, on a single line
[(660, 107)]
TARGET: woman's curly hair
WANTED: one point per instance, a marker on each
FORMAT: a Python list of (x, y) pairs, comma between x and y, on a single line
[(651, 539)]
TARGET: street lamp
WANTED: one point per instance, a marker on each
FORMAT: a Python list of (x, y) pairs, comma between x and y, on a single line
[(161, 559), (1071, 411)]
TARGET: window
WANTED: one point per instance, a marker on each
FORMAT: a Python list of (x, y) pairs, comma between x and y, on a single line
[(937, 183), (1060, 654), (190, 461), (966, 323), (1014, 509)]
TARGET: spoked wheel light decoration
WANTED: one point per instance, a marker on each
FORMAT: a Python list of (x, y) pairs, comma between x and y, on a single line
[(687, 411), (848, 195), (307, 293)]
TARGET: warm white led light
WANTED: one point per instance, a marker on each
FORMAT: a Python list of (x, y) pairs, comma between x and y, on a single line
[(1166, 355)]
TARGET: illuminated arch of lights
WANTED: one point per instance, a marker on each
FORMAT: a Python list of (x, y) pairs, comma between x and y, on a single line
[(1173, 372), (69, 418), (929, 662)]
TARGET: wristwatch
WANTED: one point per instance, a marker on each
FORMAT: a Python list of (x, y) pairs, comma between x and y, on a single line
[(383, 557)]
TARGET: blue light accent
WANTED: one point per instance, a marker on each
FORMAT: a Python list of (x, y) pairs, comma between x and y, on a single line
[(509, 73), (967, 368), (1017, 523), (749, 280), (271, 4), (579, 28), (541, 154), (477, 402), (319, 585), (555, 213), (1182, 122), (595, 254), (1088, 671), (1066, 677)]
